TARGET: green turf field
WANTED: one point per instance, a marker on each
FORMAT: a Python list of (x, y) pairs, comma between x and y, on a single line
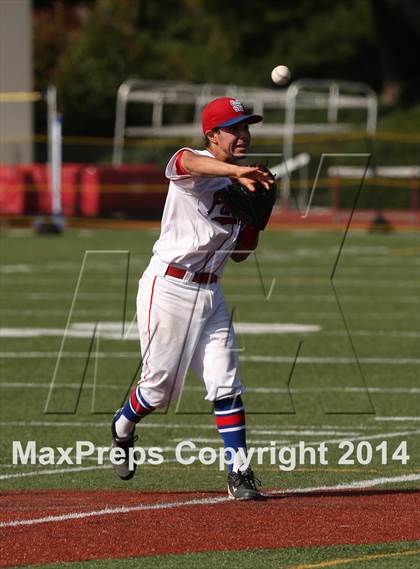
[(355, 376), (400, 555)]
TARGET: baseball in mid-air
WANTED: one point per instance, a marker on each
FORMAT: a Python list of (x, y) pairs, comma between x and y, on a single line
[(280, 75)]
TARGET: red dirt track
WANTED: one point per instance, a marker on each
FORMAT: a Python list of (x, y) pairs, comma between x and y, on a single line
[(293, 520)]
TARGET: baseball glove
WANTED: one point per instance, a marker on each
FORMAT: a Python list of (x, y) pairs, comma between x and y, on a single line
[(253, 208)]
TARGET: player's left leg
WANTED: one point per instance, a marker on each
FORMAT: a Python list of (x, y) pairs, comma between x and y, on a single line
[(215, 361)]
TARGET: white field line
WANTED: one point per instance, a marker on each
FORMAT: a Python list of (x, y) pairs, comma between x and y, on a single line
[(34, 385), (72, 469), (61, 424), (303, 314), (15, 269), (353, 436), (276, 297), (188, 426), (56, 312), (375, 333), (364, 315), (417, 418), (205, 501), (323, 426), (215, 441), (331, 360), (54, 471), (364, 437), (400, 279), (65, 267), (111, 511), (311, 433), (304, 267), (262, 359), (113, 330), (101, 424), (67, 470), (98, 296), (349, 389), (46, 281), (54, 355), (302, 298), (264, 260), (352, 485), (375, 282), (344, 389)]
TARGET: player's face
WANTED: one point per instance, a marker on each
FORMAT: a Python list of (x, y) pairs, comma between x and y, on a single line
[(233, 141)]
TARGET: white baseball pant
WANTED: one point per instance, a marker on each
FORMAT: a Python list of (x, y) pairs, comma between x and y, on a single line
[(181, 325)]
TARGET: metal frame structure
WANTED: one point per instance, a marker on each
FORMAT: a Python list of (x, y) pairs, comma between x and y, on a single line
[(164, 93), (309, 94), (317, 94)]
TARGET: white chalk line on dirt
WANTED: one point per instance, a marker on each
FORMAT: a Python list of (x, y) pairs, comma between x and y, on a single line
[(110, 511), (205, 501)]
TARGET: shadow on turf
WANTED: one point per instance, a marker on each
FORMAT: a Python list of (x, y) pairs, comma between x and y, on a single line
[(314, 494), (342, 493)]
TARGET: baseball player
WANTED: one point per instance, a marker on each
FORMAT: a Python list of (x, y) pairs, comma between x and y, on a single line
[(182, 316)]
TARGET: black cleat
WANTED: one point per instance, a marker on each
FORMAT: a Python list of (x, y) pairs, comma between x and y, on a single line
[(244, 486), (122, 470)]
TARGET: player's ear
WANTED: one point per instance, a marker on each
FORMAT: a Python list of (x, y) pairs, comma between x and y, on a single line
[(211, 136)]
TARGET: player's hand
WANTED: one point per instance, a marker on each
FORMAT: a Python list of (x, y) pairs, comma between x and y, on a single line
[(248, 175)]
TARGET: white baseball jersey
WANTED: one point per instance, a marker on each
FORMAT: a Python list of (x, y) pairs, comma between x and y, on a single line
[(197, 232), (181, 323)]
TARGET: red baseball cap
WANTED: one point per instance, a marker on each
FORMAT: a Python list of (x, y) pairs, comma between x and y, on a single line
[(225, 111)]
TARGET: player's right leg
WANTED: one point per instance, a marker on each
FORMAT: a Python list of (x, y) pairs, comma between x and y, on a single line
[(169, 320)]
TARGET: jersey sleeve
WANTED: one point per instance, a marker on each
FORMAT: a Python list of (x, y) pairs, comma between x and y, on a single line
[(184, 181), (174, 170)]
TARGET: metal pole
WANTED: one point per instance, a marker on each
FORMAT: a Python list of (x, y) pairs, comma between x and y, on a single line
[(56, 164), (51, 114), (119, 127), (54, 151)]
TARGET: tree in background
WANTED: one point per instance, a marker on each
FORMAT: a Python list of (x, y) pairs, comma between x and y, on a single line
[(397, 25), (88, 48)]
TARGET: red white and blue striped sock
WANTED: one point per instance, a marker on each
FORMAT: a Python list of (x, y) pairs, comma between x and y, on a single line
[(230, 422), (133, 411)]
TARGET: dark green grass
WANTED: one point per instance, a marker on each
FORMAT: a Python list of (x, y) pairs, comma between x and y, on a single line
[(376, 299), (289, 558)]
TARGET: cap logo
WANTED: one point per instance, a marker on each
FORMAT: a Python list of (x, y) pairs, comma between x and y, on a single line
[(237, 106)]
